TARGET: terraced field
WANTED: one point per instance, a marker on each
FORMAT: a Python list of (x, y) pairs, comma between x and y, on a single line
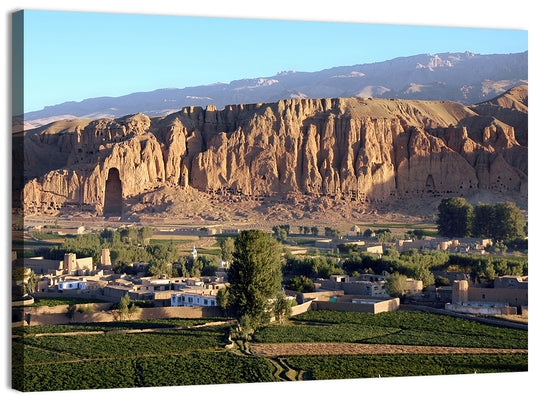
[(314, 345)]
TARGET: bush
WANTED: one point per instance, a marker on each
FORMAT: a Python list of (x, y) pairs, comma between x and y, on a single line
[(301, 284)]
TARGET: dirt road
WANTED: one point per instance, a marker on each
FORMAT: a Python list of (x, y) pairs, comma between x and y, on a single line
[(359, 349)]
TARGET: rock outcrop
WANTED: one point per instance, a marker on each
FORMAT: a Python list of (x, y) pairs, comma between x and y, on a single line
[(358, 149)]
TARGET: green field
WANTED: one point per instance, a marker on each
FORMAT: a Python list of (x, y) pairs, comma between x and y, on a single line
[(325, 367), (400, 328), (185, 356)]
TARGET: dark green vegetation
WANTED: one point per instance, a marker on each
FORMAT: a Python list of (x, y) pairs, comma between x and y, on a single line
[(148, 371), (410, 263), (398, 328), (129, 245), (117, 360), (62, 301), (139, 344), (113, 326), (324, 367), (311, 332), (300, 284), (254, 276), (198, 356), (503, 221)]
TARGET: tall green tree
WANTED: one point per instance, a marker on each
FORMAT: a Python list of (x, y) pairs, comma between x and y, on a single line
[(227, 246), (455, 217), (503, 221), (510, 221), (484, 220), (223, 298), (254, 275), (145, 233)]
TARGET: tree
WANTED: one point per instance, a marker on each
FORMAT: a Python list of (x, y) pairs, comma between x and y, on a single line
[(32, 281), (280, 232), (503, 221), (282, 307), (367, 233), (223, 298), (125, 307), (396, 285), (441, 281), (384, 235), (314, 230), (423, 273), (145, 233), (510, 221), (227, 246), (159, 267), (455, 217), (391, 252), (255, 275), (484, 220), (417, 234), (71, 310), (301, 284)]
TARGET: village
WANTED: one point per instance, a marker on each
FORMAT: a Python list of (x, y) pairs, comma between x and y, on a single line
[(79, 277)]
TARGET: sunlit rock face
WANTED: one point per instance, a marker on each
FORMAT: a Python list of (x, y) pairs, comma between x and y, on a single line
[(359, 149)]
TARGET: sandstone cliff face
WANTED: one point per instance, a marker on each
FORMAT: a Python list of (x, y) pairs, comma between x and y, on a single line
[(361, 150)]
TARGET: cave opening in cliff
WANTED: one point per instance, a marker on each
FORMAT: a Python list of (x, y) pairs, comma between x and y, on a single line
[(430, 183), (113, 194)]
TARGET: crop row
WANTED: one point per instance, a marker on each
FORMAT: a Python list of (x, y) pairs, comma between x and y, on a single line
[(25, 354), (434, 338), (414, 321), (122, 345), (115, 325), (322, 367), (320, 333), (171, 370)]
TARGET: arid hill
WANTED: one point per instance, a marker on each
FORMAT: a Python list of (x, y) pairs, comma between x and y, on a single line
[(312, 154)]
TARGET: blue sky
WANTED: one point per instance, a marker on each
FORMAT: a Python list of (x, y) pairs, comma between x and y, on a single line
[(71, 56)]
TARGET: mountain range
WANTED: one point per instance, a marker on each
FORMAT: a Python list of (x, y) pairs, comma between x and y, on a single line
[(466, 78)]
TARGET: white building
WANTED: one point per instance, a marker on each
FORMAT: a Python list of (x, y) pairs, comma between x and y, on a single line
[(71, 285), (193, 299)]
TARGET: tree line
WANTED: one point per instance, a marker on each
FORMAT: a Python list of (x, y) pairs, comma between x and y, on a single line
[(129, 245), (501, 221)]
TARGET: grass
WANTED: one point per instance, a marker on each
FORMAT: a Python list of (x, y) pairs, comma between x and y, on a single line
[(399, 328), (324, 367), (56, 301), (320, 333), (113, 326), (148, 371)]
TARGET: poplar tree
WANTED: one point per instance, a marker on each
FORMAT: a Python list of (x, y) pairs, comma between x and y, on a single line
[(254, 276)]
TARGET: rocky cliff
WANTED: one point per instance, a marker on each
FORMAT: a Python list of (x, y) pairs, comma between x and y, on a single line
[(359, 150)]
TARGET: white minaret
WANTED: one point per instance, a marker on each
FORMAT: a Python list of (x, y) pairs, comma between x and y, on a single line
[(194, 254)]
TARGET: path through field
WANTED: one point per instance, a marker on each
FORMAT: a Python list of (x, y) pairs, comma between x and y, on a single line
[(272, 350)]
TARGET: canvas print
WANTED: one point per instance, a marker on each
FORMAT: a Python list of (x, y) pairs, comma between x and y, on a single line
[(223, 200)]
